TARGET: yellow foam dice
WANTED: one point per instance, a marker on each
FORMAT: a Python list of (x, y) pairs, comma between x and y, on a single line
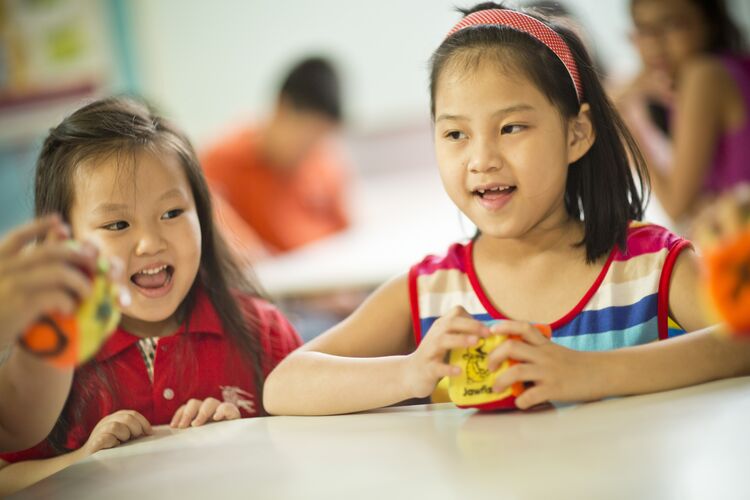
[(473, 386)]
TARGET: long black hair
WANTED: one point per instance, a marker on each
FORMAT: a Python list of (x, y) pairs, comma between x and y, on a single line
[(606, 187), (123, 126)]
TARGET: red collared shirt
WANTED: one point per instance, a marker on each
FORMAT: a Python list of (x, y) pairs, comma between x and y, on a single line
[(199, 363)]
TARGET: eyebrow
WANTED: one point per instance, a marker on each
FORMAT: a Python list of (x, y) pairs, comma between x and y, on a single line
[(109, 208), (503, 111), (172, 193)]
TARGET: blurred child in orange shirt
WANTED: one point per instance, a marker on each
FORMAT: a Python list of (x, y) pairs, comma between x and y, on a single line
[(284, 178)]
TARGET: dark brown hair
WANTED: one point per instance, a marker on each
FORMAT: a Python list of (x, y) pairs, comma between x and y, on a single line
[(123, 126), (313, 85), (606, 187)]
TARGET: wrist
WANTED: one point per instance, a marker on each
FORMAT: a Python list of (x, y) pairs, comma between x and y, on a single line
[(29, 373), (605, 374), (405, 374), (79, 454)]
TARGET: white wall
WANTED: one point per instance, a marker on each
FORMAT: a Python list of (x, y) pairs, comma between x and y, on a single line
[(208, 63)]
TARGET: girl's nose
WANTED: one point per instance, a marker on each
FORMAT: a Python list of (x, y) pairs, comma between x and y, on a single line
[(150, 242), (485, 155)]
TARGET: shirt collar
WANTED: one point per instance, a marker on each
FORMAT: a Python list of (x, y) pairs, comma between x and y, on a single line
[(203, 319)]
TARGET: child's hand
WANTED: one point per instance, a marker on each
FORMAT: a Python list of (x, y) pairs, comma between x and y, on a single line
[(728, 216), (558, 373), (722, 232), (428, 364), (196, 412), (39, 279), (117, 428), (43, 278)]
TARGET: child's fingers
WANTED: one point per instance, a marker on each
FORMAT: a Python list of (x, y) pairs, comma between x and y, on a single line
[(142, 421), (531, 397), (521, 372), (456, 312), (511, 349), (465, 326), (177, 416), (453, 341), (440, 370), (146, 424), (104, 441), (133, 423), (526, 331), (729, 216), (119, 429), (742, 195), (22, 236), (226, 411), (57, 276), (50, 301), (74, 256), (191, 410), (705, 230), (58, 232), (205, 411)]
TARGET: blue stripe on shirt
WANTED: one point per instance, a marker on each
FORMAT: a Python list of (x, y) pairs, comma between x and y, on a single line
[(601, 321)]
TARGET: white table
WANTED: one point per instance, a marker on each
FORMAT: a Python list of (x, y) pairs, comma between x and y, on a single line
[(688, 444)]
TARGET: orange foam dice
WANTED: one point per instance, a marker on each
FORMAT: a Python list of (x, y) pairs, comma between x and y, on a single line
[(728, 280), (66, 340)]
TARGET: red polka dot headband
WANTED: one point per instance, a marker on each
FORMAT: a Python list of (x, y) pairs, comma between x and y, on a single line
[(531, 26)]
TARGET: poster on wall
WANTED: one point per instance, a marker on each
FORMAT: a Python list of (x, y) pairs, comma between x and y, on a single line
[(52, 49)]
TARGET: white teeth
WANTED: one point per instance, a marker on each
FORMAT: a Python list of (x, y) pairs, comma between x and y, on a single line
[(498, 188), (156, 270)]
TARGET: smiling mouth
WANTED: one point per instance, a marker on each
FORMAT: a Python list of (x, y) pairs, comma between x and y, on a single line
[(494, 192), (153, 279)]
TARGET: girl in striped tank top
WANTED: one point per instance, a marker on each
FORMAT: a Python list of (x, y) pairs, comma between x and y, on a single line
[(531, 150)]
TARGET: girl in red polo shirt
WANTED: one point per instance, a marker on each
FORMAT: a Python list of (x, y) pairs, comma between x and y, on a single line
[(196, 342)]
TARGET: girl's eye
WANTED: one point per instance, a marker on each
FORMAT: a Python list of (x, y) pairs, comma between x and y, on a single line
[(116, 226), (455, 135), (511, 129), (171, 214)]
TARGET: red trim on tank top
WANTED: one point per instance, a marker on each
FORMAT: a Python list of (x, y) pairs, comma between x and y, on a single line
[(495, 313), (666, 274), (414, 303)]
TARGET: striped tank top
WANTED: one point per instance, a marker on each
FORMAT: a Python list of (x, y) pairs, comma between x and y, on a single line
[(627, 305)]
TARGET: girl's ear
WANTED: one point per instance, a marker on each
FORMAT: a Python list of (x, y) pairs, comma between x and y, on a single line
[(581, 134)]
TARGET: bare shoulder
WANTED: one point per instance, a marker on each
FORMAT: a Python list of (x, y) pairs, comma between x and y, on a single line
[(685, 298), (705, 66), (381, 326), (706, 74), (709, 99)]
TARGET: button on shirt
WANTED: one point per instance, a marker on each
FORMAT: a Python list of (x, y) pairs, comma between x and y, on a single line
[(198, 363)]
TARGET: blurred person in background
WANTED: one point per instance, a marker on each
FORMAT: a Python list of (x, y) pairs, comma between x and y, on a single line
[(280, 183), (688, 106)]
